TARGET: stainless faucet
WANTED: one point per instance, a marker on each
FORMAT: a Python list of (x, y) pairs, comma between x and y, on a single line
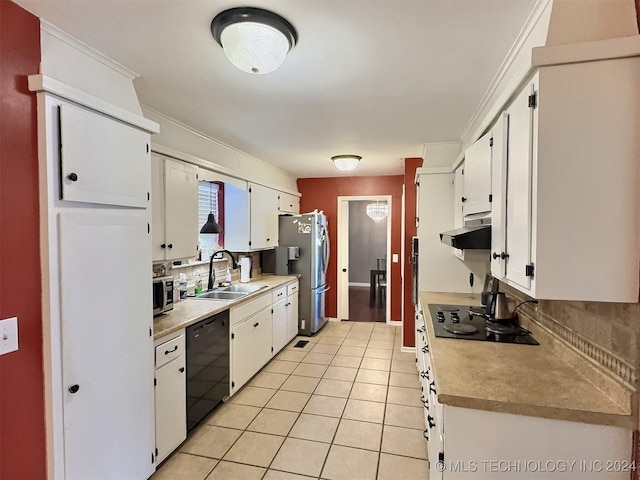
[(212, 273)]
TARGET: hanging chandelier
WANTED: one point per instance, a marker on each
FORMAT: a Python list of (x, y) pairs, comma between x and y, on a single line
[(377, 211)]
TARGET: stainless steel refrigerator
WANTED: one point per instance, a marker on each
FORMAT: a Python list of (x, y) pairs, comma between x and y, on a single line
[(308, 231)]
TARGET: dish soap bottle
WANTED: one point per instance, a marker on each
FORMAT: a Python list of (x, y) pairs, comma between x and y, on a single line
[(227, 277)]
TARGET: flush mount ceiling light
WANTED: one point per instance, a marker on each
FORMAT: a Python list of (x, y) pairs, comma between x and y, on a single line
[(346, 162), (377, 211), (254, 40)]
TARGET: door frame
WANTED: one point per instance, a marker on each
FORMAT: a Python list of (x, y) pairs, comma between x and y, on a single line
[(343, 252)]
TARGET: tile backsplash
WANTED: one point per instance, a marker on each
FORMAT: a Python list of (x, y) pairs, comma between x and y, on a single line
[(605, 333), (200, 270)]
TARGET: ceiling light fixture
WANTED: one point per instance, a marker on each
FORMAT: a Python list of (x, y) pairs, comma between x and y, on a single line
[(254, 40), (346, 162), (377, 211)]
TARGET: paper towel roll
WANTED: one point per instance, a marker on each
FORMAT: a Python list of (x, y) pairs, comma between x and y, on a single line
[(245, 269)]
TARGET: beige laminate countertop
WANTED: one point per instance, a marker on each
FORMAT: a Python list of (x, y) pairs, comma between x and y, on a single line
[(190, 311), (512, 378)]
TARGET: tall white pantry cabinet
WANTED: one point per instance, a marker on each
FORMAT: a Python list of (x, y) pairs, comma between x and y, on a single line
[(97, 307)]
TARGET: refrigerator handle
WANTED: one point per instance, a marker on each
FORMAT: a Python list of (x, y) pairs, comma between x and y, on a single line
[(324, 289)]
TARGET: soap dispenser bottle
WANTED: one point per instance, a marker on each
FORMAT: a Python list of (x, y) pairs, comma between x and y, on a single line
[(227, 278)]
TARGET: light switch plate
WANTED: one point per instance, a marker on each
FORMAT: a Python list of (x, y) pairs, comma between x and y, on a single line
[(394, 258), (8, 335)]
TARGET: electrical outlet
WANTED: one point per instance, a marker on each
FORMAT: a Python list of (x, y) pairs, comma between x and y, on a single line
[(8, 335), (394, 258)]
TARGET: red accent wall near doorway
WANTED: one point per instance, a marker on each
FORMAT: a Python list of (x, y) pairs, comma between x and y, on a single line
[(410, 230), (22, 420), (323, 193)]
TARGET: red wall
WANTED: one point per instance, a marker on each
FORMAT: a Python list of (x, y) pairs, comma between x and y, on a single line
[(323, 193), (22, 424), (410, 230)]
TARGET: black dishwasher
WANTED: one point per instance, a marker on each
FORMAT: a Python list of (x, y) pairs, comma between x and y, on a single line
[(207, 366)]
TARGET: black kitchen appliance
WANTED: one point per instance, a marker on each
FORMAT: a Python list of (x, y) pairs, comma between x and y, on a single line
[(207, 366), (471, 323)]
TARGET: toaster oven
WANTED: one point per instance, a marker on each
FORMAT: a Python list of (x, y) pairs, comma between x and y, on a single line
[(162, 295)]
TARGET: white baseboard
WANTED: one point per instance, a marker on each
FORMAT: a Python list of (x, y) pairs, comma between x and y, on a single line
[(408, 349)]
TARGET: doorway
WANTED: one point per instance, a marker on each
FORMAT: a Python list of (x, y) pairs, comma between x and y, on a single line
[(364, 252)]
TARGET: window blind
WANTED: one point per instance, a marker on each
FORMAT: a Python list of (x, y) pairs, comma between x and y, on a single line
[(208, 202)]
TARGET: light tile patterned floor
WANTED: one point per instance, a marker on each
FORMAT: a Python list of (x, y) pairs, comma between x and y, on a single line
[(345, 407)]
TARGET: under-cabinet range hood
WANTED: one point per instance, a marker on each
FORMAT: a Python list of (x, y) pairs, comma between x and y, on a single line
[(471, 237)]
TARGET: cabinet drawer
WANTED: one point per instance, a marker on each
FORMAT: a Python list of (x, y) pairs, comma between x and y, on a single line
[(293, 288), (279, 294), (239, 313), (167, 351)]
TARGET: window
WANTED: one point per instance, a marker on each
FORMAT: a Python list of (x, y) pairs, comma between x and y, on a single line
[(210, 200)]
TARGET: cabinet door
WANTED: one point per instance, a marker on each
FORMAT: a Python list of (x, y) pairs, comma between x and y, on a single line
[(171, 407), (181, 209), (103, 160), (288, 203), (498, 191), (251, 347), (477, 176), (518, 189), (279, 325), (458, 204), (157, 209), (107, 352), (264, 217), (292, 316)]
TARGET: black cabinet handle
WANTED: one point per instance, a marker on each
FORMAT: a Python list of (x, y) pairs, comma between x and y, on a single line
[(74, 388), (73, 177), (504, 255), (432, 387), (268, 239), (181, 369), (425, 434), (495, 255), (170, 245), (256, 324), (464, 199), (344, 269), (167, 352), (163, 245)]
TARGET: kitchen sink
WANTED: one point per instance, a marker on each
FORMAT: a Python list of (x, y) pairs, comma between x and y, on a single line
[(221, 295), (241, 288), (230, 292)]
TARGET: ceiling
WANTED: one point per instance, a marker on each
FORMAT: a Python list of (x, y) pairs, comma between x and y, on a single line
[(377, 78)]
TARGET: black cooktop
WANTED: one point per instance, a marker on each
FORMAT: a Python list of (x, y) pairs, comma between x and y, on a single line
[(470, 323)]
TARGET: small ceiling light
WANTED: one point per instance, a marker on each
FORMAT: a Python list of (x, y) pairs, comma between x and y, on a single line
[(377, 211), (254, 40), (346, 162)]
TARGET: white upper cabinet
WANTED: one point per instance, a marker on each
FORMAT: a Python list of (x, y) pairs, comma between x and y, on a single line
[(288, 203), (476, 197), (102, 160), (264, 217), (570, 189), (174, 209), (251, 217)]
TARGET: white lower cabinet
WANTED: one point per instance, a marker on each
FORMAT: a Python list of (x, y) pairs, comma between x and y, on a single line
[(292, 311), (251, 339), (279, 319), (170, 394), (285, 316), (466, 443)]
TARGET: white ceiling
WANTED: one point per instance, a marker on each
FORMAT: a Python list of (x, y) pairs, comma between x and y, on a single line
[(378, 78)]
